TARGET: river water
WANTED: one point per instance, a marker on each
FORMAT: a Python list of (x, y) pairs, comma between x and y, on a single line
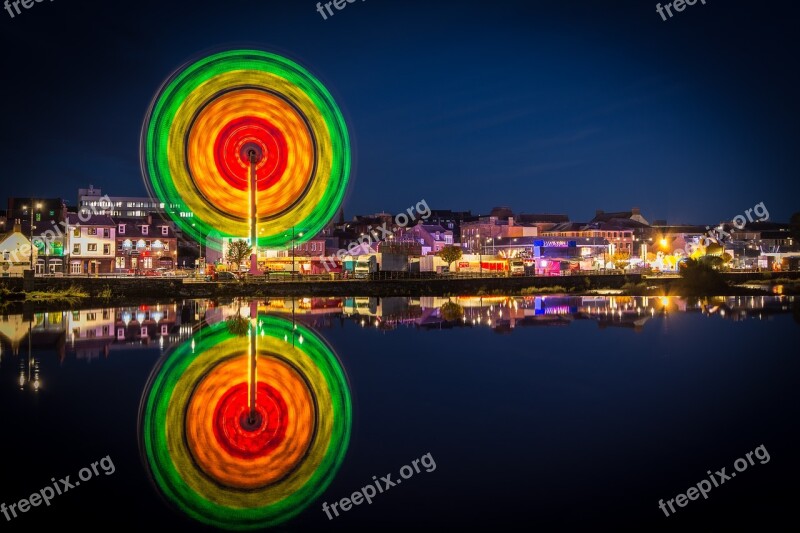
[(464, 412)]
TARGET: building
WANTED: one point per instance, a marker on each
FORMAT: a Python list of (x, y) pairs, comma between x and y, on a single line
[(43, 221), (514, 229), (620, 238), (15, 253), (431, 237), (768, 237), (144, 244), (50, 211), (484, 231), (542, 221), (475, 234), (90, 243), (314, 247), (93, 200), (449, 220)]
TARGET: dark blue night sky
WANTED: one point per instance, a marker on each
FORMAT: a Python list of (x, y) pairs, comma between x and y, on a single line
[(542, 106)]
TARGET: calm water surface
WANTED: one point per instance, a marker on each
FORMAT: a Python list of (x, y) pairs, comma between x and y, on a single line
[(550, 412)]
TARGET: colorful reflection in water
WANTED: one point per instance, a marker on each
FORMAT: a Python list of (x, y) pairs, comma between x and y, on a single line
[(228, 465)]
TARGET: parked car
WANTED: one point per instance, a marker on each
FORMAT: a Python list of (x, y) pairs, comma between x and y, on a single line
[(227, 276)]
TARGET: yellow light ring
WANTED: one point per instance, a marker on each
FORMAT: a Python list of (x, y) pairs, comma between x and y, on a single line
[(179, 166), (227, 469), (248, 103), (197, 479)]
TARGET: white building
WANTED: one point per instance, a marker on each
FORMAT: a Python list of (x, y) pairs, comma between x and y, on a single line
[(15, 253), (90, 243)]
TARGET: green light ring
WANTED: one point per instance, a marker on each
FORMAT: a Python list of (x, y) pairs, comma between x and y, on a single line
[(154, 145)]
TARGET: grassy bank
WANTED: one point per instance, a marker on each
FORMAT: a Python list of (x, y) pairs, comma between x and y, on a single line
[(60, 293)]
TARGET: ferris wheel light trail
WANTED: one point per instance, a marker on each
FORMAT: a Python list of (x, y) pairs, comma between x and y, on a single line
[(253, 214), (246, 143)]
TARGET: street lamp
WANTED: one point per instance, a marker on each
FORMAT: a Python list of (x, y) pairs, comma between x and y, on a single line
[(30, 233), (301, 236)]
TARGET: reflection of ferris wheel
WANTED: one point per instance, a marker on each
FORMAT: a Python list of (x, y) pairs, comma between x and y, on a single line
[(246, 143), (244, 442)]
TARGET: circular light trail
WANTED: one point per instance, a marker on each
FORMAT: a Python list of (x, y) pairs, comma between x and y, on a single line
[(208, 117), (209, 457)]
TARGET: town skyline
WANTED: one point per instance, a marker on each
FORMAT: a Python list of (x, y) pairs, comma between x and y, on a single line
[(504, 111)]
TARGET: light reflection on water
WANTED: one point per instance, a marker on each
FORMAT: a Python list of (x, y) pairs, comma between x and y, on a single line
[(177, 334), (90, 334)]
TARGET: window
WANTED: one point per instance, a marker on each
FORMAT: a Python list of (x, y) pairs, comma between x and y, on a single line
[(164, 230), (75, 268), (145, 230), (6, 256), (105, 331), (76, 232), (92, 231), (91, 247), (164, 329), (120, 248), (120, 262), (106, 249), (106, 314), (106, 233), (91, 316), (144, 331), (121, 334), (76, 249)]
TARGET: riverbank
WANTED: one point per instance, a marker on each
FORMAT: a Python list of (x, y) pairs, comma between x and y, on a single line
[(50, 293)]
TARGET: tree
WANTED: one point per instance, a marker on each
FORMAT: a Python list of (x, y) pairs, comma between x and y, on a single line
[(698, 277), (449, 254), (620, 259), (237, 252), (451, 311), (237, 324)]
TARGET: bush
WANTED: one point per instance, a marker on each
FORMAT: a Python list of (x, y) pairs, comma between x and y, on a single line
[(700, 278), (556, 289)]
